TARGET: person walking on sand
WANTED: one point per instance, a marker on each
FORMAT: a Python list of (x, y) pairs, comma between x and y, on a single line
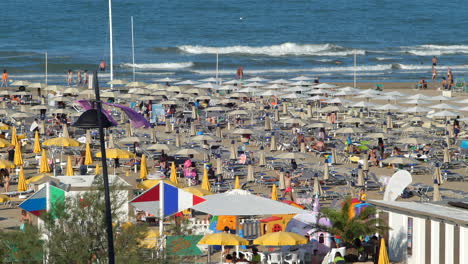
[(69, 77), (434, 61), (79, 78), (5, 79), (434, 74), (86, 78)]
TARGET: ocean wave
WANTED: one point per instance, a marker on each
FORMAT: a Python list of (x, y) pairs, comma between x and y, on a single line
[(285, 49), (160, 66), (436, 50), (425, 67)]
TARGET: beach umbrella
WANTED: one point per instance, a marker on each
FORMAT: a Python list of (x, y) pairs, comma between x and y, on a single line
[(360, 179), (197, 191), (250, 173), (173, 176), (143, 168), (354, 120), (88, 157), (97, 171), (292, 155), (65, 133), (44, 163), (204, 137), (219, 166), (117, 82), (14, 138), (22, 83), (365, 162), (383, 255), (317, 188), (302, 147), (274, 192), (400, 160), (262, 158), (22, 187), (285, 108), (4, 143), (117, 154), (331, 108), (218, 132), (389, 122), (18, 158), (136, 84), (281, 238), (447, 158), (273, 146), (5, 164), (37, 144), (238, 112), (326, 171), (167, 127), (276, 115), (237, 184), (349, 130), (444, 106), (4, 126), (387, 107), (301, 78), (61, 142), (416, 109), (282, 183), (189, 151), (334, 156), (412, 141), (178, 139), (233, 151), (110, 143), (444, 113), (69, 170), (205, 181)]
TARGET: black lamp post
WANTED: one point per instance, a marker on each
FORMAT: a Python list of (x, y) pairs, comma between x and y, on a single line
[(94, 118)]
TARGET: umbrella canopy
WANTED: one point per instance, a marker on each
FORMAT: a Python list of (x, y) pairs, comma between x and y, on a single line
[(22, 181), (414, 130), (292, 155), (187, 152), (197, 191), (280, 239), (412, 141), (400, 160), (117, 154), (61, 142), (243, 131), (161, 147), (223, 239), (4, 143), (44, 163), (5, 164), (204, 137), (242, 202)]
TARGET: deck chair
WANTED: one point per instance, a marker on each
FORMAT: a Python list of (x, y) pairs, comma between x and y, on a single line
[(459, 85)]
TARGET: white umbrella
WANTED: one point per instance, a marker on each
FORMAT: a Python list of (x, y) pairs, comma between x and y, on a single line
[(363, 104), (416, 102), (167, 79), (233, 82), (303, 83), (349, 130), (444, 113), (325, 86), (301, 78), (316, 98), (338, 101), (417, 109), (271, 93), (187, 82), (370, 92), (396, 93), (208, 86), (387, 107), (249, 90), (256, 79), (297, 89), (117, 82), (444, 106), (439, 98), (419, 97), (280, 81), (293, 96), (254, 84), (275, 86), (292, 155)]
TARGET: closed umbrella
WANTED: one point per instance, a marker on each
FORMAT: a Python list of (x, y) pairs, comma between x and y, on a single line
[(273, 146), (383, 255), (447, 158), (292, 155), (282, 183), (360, 179), (37, 143), (69, 171), (267, 123), (237, 184), (88, 156), (281, 239), (233, 151), (97, 171), (193, 130), (218, 132), (205, 181), (219, 166), (61, 142), (317, 188), (143, 168), (178, 139), (277, 116), (173, 176), (18, 158), (167, 128), (250, 173), (44, 163), (302, 147), (326, 171), (365, 162), (110, 143), (4, 143), (14, 138), (262, 158), (274, 193), (400, 160), (22, 187), (333, 158)]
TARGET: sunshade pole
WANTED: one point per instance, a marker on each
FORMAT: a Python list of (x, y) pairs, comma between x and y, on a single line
[(161, 215), (110, 237)]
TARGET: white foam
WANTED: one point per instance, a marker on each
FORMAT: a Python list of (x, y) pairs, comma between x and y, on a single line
[(429, 67), (436, 50), (285, 49), (160, 66)]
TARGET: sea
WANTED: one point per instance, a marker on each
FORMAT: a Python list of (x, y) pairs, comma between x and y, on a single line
[(392, 41)]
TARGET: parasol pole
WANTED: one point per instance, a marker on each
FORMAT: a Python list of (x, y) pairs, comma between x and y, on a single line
[(355, 53), (217, 67), (46, 70), (111, 45), (133, 49)]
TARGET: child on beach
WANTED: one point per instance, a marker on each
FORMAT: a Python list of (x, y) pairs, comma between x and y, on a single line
[(5, 79)]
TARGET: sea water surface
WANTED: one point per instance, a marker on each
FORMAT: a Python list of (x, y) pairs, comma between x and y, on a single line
[(394, 40)]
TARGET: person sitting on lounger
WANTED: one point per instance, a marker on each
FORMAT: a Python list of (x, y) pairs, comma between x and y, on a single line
[(319, 146)]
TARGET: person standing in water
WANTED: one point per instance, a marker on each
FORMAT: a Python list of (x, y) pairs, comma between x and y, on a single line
[(434, 73), (434, 61), (5, 79), (69, 77), (240, 73), (79, 78), (102, 66), (86, 78)]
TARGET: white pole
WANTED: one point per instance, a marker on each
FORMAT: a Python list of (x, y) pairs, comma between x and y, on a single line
[(110, 44), (217, 67), (355, 69), (133, 51), (46, 68), (161, 213)]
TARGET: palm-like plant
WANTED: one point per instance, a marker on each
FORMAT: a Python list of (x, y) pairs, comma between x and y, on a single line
[(351, 228)]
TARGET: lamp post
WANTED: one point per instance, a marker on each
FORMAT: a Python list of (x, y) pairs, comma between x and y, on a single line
[(94, 118)]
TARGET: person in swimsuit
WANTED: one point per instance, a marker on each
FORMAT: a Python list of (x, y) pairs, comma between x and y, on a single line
[(69, 77), (86, 78), (79, 78), (434, 61), (5, 79), (102, 66), (434, 73), (240, 73)]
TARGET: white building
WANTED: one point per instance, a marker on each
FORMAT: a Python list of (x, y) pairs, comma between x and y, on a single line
[(429, 233)]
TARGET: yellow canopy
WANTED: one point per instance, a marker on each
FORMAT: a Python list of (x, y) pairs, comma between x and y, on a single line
[(14, 139), (88, 156), (205, 181), (69, 171), (145, 185), (37, 143), (4, 126), (22, 181), (117, 154), (280, 239), (4, 198), (223, 239), (173, 176), (150, 239), (237, 183), (274, 193), (18, 158), (5, 164), (44, 163), (35, 178), (61, 142), (197, 191), (4, 143), (383, 255), (97, 171), (143, 168)]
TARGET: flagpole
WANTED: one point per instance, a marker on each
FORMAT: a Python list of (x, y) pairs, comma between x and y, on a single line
[(355, 53), (217, 67), (161, 214)]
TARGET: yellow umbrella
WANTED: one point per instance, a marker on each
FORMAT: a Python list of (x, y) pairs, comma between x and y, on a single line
[(22, 181), (274, 193), (5, 164), (4, 126), (44, 163), (97, 170), (62, 142), (145, 185), (383, 255), (35, 178), (4, 198), (69, 171), (143, 168), (173, 177), (150, 240), (117, 154), (205, 181), (223, 239), (14, 139), (280, 239), (18, 159), (88, 157), (237, 183), (198, 191), (4, 143), (37, 143)]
